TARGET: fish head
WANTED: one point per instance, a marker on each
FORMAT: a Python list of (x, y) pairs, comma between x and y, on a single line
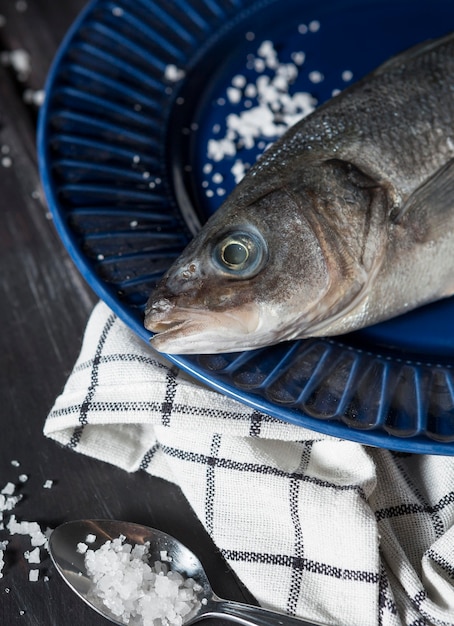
[(241, 282)]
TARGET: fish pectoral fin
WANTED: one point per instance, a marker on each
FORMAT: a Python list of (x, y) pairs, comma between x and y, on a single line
[(429, 210)]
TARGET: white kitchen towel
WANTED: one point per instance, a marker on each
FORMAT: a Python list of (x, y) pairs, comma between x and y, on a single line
[(314, 526)]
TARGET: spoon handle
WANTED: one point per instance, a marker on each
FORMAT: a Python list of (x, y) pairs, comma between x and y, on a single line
[(249, 615)]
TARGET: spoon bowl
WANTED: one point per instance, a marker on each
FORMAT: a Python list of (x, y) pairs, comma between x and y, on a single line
[(70, 563)]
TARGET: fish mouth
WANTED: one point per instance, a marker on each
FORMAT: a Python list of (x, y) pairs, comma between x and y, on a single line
[(200, 331), (165, 326)]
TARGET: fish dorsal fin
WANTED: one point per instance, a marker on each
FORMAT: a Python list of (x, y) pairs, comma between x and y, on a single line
[(411, 53), (428, 210)]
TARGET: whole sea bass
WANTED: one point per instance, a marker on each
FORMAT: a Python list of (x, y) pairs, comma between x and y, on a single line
[(346, 220)]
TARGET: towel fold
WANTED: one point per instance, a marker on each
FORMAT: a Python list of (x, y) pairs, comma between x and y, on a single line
[(314, 526)]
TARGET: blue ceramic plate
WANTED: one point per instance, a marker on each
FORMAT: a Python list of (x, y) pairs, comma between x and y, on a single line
[(136, 150)]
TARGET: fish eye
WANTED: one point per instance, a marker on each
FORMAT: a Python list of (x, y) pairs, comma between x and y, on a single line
[(234, 254), (240, 253)]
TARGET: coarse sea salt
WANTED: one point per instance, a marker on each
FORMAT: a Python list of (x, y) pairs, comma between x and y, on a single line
[(19, 60), (9, 498), (268, 107), (135, 592)]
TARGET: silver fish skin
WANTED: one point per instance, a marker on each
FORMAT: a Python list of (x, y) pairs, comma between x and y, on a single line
[(345, 221)]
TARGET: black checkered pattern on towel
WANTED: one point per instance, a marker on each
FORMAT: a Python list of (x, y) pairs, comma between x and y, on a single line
[(317, 527)]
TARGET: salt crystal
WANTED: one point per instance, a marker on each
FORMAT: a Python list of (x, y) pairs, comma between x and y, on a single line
[(6, 161), (238, 170), (19, 60), (9, 489), (14, 462), (314, 26), (48, 484), (23, 478), (32, 529), (33, 556), (239, 81), (117, 11), (2, 563), (234, 95), (33, 575), (90, 538), (172, 73), (316, 76), (347, 75), (298, 57), (250, 91), (35, 97), (259, 65), (82, 548)]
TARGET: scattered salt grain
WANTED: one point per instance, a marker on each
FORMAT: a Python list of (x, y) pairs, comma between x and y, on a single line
[(173, 73), (2, 561), (314, 26), (238, 170), (234, 95), (48, 484), (33, 529), (90, 538), (9, 489), (117, 11), (135, 592), (6, 161), (164, 556), (33, 556), (82, 548), (347, 75), (239, 81), (19, 60), (35, 97), (15, 462), (33, 575), (268, 107), (23, 478), (316, 76)]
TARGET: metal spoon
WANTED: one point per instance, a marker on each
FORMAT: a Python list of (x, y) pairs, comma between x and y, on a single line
[(71, 565)]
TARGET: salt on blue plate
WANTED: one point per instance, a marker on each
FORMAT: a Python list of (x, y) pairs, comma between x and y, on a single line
[(138, 90)]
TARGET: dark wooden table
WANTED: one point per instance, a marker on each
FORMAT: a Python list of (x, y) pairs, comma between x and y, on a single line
[(44, 307)]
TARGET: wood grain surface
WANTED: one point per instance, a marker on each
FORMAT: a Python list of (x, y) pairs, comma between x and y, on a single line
[(44, 307)]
